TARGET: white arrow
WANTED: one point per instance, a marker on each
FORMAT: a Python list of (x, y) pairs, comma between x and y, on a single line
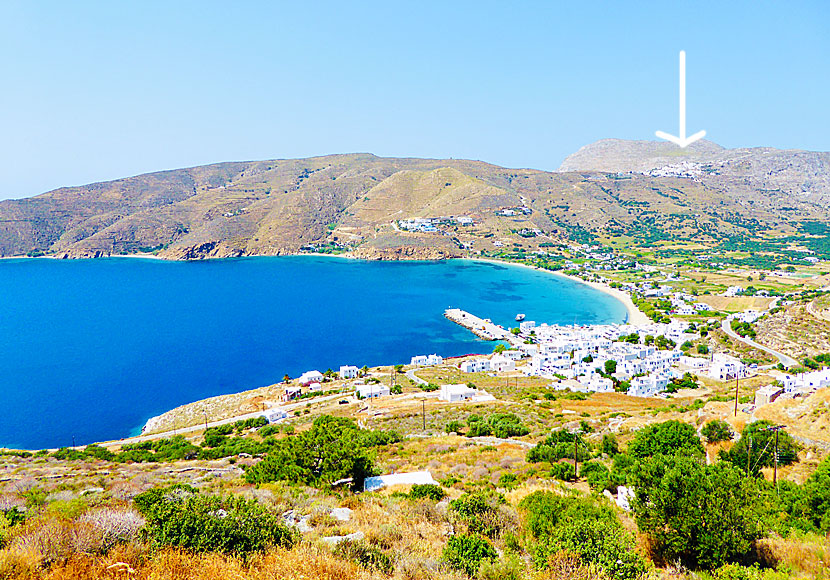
[(682, 140)]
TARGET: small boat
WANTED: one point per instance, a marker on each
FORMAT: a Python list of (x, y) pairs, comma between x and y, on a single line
[(520, 317)]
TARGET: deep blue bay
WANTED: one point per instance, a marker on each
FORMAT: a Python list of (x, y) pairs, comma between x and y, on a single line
[(93, 348)]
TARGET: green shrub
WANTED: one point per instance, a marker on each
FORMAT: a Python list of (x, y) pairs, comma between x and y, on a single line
[(453, 427), (583, 527), (596, 474), (737, 572), (480, 512), (427, 491), (179, 516), (716, 430), (467, 552), (667, 438), (562, 471), (365, 555)]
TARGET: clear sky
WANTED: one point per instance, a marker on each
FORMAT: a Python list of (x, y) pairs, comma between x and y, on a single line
[(93, 91)]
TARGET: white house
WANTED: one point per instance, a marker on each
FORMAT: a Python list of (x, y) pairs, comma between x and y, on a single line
[(501, 364), (527, 325), (311, 377), (476, 365), (456, 393), (733, 291), (465, 221), (314, 387), (348, 372), (426, 360), (647, 386), (725, 367), (372, 391), (275, 415)]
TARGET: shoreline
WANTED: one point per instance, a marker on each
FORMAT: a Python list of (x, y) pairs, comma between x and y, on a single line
[(634, 315)]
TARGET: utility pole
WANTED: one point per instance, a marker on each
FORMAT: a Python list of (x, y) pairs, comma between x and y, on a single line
[(576, 461), (424, 412), (776, 429), (205, 414), (748, 455), (736, 393)]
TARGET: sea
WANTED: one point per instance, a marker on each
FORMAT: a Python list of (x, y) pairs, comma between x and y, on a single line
[(91, 349)]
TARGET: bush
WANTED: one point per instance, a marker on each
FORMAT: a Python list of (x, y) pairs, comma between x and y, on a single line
[(702, 515), (716, 430), (365, 555), (481, 512), (427, 491), (454, 427), (583, 527), (563, 471), (667, 438), (596, 474), (116, 525), (180, 516), (737, 572), (467, 552)]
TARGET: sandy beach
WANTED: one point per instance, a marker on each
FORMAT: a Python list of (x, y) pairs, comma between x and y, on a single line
[(635, 316)]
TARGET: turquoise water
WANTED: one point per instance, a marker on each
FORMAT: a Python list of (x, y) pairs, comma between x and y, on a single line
[(91, 349)]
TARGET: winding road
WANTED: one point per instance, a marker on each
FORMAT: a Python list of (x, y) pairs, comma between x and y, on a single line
[(782, 358)]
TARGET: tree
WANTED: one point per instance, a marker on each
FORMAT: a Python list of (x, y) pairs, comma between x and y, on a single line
[(667, 438), (610, 367), (334, 448), (762, 451), (702, 515), (286, 379), (716, 430)]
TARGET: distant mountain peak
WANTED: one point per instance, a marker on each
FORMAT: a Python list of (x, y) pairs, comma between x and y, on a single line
[(614, 155)]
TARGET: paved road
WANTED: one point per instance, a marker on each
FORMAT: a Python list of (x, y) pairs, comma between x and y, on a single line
[(782, 358), (201, 426)]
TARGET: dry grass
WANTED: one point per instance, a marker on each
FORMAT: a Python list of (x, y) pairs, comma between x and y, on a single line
[(807, 556)]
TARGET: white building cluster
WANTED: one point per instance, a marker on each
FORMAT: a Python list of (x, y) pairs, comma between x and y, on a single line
[(792, 386), (580, 353)]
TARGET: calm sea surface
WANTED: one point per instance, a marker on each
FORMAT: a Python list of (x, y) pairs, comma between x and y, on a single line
[(91, 349)]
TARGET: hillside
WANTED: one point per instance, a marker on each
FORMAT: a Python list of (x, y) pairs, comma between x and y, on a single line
[(354, 202)]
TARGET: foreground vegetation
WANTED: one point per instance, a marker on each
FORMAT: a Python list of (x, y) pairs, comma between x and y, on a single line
[(718, 520)]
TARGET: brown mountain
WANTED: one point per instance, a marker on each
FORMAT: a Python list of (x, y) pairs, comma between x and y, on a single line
[(279, 206)]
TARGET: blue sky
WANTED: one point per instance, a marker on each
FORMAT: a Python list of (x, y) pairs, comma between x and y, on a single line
[(99, 90)]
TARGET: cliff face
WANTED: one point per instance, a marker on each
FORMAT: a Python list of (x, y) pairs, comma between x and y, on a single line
[(355, 201)]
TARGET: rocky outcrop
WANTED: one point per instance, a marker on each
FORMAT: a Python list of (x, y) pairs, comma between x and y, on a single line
[(404, 253)]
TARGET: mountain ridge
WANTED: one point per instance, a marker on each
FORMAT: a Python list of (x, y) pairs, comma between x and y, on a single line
[(354, 201)]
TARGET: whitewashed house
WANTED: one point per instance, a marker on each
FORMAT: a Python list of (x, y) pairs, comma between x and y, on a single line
[(426, 360), (372, 391), (348, 372), (456, 393), (725, 367), (309, 377), (476, 365), (275, 415), (502, 364), (647, 386)]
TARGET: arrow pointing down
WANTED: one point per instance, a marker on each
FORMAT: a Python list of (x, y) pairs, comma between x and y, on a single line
[(682, 140)]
